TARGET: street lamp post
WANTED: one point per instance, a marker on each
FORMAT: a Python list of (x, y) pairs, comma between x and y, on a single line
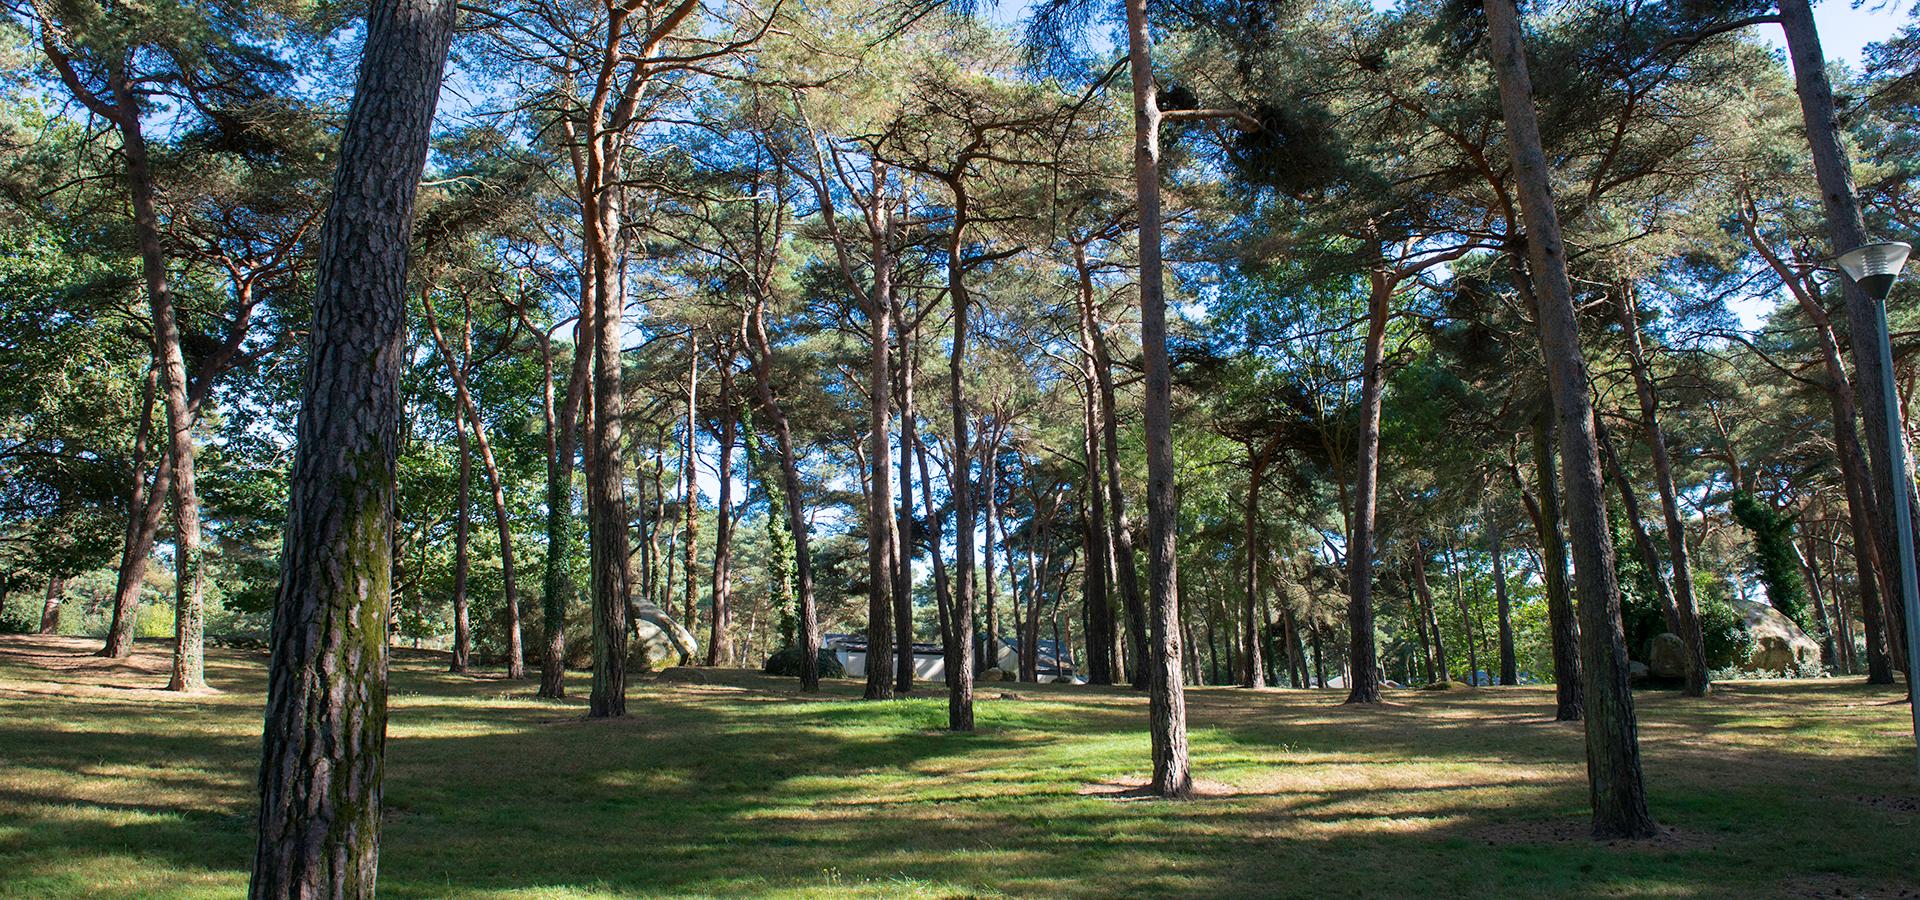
[(1874, 267)]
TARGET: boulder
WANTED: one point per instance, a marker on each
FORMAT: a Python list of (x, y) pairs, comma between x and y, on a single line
[(1778, 644), (1448, 685), (1667, 656), (994, 674), (657, 641), (1637, 672)]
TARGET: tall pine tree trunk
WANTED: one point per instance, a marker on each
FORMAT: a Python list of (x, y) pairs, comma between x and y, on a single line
[(1364, 686), (1167, 704), (1845, 231), (1616, 786), (326, 715), (720, 619), (1677, 554)]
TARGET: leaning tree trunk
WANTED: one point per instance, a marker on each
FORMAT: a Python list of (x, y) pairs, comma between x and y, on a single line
[(502, 519), (189, 631), (326, 715), (1677, 554), (809, 624), (1125, 574), (1364, 686), (143, 525), (1846, 230), (1167, 704), (1615, 783)]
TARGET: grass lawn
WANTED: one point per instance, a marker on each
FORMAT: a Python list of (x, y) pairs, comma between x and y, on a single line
[(740, 786)]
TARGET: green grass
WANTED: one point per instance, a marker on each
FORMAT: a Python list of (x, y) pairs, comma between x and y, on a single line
[(745, 788)]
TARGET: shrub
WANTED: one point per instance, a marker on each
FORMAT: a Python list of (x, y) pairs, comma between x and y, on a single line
[(786, 661)]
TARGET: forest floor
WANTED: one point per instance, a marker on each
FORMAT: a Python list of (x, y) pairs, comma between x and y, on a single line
[(739, 786)]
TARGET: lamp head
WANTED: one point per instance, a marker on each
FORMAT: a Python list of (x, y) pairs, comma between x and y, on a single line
[(1875, 266)]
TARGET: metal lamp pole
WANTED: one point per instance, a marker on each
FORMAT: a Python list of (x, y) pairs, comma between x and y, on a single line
[(1874, 267)]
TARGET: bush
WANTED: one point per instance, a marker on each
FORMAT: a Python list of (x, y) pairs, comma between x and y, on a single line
[(786, 661)]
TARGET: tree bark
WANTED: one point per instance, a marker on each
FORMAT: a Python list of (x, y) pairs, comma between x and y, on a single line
[(880, 511), (462, 627), (720, 618), (1616, 786), (562, 435), (1167, 706), (1442, 672), (502, 519), (143, 525), (1865, 328), (960, 649), (1686, 610), (50, 611), (904, 528), (690, 487), (1365, 684), (1252, 671), (189, 648), (1093, 586), (1564, 628), (809, 624), (326, 715), (1125, 574), (1509, 668)]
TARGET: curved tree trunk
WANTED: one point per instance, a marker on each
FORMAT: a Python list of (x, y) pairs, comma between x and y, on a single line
[(143, 525), (1616, 786), (1125, 573), (189, 648), (326, 716), (1687, 612), (809, 624)]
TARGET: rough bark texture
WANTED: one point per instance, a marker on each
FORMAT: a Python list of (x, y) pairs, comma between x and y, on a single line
[(1866, 327), (880, 536), (1252, 669), (960, 649), (1167, 704), (326, 714), (1615, 784), (1093, 585), (1364, 683)]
